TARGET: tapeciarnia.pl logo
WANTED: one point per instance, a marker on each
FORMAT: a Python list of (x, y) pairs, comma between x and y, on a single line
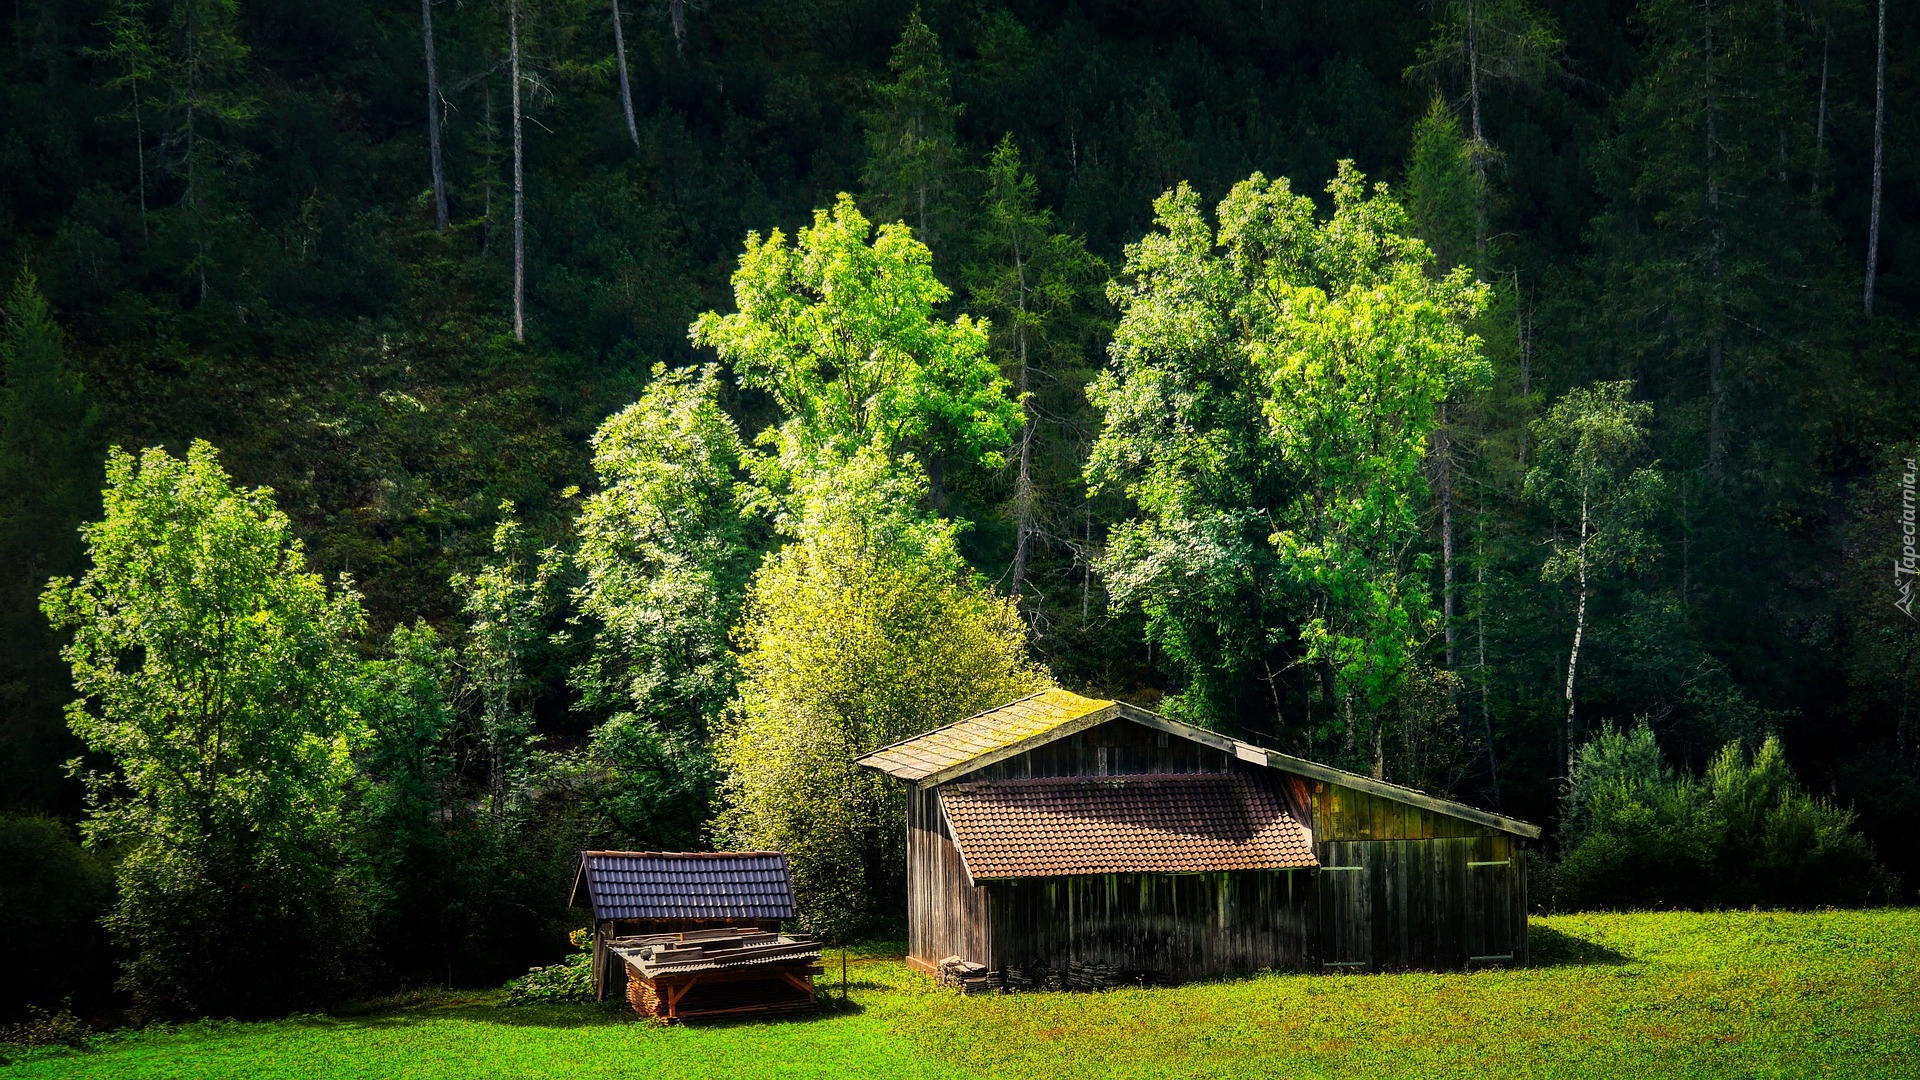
[(1908, 564)]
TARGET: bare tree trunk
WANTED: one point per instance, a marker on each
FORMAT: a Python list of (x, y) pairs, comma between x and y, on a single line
[(1523, 330), (1820, 117), (486, 185), (1086, 570), (1579, 628), (1480, 624), (1479, 144), (620, 59), (1879, 154), (1023, 482), (440, 220), (1444, 461), (519, 183), (1716, 390), (140, 153), (677, 15)]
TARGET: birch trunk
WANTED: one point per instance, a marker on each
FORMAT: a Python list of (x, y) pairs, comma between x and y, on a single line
[(677, 14), (1579, 629), (1879, 155), (440, 220), (620, 61), (519, 182), (1480, 624)]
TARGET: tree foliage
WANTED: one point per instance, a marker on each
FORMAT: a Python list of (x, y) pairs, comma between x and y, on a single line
[(664, 554), (215, 676), (841, 329), (1273, 390), (866, 630)]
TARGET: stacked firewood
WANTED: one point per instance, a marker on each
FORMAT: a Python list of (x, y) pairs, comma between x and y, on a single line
[(971, 978), (643, 998), (962, 974), (1016, 978), (1094, 975)]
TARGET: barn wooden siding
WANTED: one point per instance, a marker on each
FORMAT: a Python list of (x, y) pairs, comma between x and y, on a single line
[(1179, 926), (1400, 886), (1406, 887)]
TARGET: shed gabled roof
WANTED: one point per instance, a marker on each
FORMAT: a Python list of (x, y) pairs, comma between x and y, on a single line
[(1152, 824), (1016, 722), (684, 885), (951, 752)]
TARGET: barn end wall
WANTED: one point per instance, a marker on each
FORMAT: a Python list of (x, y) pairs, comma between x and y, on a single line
[(946, 916)]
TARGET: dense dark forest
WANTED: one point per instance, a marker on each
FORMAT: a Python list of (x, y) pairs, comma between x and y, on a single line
[(400, 264)]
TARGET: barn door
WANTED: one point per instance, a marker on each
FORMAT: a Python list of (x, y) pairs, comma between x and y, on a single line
[(1346, 910), (1490, 900)]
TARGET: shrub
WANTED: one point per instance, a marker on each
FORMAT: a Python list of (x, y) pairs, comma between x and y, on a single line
[(569, 980), (1636, 835), (52, 895)]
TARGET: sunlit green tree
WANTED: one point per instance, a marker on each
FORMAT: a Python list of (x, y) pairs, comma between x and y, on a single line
[(216, 680)]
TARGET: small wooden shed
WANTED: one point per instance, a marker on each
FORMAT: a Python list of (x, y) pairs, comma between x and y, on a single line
[(1059, 835), (637, 893), (724, 972)]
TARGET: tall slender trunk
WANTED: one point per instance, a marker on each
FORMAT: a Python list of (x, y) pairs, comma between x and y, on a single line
[(1023, 482), (1879, 154), (1479, 143), (1820, 116), (1579, 629), (677, 15), (1443, 456), (519, 182), (140, 153), (1716, 388), (1480, 625), (620, 60), (1086, 560), (1523, 330), (489, 175), (440, 220)]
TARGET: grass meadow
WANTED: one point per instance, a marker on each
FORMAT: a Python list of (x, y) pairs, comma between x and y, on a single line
[(1730, 994)]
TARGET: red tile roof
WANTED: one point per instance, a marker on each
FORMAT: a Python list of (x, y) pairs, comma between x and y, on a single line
[(1152, 824)]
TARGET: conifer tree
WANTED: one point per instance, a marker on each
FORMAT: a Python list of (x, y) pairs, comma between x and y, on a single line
[(912, 150)]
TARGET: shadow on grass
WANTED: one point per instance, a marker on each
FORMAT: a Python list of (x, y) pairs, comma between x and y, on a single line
[(1547, 947), (585, 1015)]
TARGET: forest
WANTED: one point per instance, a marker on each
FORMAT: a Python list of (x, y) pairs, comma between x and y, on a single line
[(437, 440)]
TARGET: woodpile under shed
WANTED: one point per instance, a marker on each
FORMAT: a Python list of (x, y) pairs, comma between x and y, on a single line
[(722, 972)]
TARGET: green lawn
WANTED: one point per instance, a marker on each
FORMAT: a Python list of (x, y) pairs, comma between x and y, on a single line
[(1741, 994)]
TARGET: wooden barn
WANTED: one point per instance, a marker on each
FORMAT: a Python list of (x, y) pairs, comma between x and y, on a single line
[(1059, 836), (646, 893)]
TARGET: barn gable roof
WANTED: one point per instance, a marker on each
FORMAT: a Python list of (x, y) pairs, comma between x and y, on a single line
[(684, 885), (1152, 824), (995, 735), (1018, 722)]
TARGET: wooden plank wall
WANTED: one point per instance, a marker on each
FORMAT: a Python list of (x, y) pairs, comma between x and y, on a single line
[(1343, 813), (945, 916), (1443, 904), (1181, 926)]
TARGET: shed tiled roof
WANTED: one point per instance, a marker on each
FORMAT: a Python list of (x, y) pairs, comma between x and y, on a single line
[(982, 733), (1152, 824), (685, 885)]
